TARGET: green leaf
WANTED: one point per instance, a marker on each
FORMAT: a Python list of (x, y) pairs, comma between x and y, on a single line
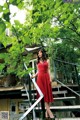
[(6, 16), (6, 11), (56, 29), (20, 5), (6, 5), (66, 22), (1, 8), (11, 1), (2, 55), (1, 66), (78, 29), (8, 24), (17, 23), (2, 26), (26, 40), (18, 1)]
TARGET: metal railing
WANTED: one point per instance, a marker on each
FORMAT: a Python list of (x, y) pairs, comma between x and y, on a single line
[(68, 88), (61, 82), (66, 72), (35, 103), (41, 94)]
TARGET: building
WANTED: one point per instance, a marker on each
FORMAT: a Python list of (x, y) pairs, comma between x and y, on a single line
[(10, 91)]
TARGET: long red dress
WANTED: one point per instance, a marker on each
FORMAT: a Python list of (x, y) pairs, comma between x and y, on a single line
[(43, 81)]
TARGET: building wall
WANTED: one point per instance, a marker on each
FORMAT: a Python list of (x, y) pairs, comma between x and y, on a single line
[(11, 105), (4, 104)]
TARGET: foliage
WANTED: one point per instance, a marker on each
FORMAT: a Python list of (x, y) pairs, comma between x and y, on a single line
[(59, 23), (51, 20), (63, 24), (14, 56), (63, 52)]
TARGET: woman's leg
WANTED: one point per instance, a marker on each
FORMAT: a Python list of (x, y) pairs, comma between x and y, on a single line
[(48, 111), (46, 114)]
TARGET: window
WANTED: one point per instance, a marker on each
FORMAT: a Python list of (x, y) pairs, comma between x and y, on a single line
[(12, 107)]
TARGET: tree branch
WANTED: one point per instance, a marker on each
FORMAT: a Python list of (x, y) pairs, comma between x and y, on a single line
[(74, 28)]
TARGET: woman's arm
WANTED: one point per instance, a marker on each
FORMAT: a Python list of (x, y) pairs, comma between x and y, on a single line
[(35, 75), (49, 69)]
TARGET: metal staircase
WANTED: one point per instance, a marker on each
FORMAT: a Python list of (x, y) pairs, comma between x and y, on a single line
[(59, 95), (63, 102)]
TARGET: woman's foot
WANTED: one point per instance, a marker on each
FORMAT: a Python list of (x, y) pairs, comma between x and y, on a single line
[(52, 118), (47, 116)]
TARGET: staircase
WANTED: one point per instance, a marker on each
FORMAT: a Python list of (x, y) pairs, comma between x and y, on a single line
[(59, 106), (66, 100)]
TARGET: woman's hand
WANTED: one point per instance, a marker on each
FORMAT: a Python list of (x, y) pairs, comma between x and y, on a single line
[(32, 77), (50, 80)]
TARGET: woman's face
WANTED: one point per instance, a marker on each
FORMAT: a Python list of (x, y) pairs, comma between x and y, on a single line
[(40, 54)]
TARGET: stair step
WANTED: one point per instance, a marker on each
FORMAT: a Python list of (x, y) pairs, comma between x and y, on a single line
[(59, 108), (57, 87), (54, 93), (59, 92), (68, 119), (65, 98), (62, 119), (62, 108), (60, 98)]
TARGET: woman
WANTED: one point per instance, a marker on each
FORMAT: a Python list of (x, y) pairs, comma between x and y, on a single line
[(44, 80)]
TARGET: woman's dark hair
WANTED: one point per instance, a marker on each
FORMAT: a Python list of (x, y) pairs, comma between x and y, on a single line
[(44, 55)]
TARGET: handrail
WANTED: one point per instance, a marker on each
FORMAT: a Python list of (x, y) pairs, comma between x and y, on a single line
[(66, 62), (38, 100), (68, 87), (34, 117)]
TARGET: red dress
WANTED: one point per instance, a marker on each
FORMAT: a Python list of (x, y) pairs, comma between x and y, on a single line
[(43, 81)]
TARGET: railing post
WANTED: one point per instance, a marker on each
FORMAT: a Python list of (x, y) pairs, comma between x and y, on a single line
[(77, 79), (29, 81), (43, 107), (76, 75), (54, 66)]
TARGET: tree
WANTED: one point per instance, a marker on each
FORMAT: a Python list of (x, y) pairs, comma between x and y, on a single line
[(13, 57), (59, 21), (52, 20)]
